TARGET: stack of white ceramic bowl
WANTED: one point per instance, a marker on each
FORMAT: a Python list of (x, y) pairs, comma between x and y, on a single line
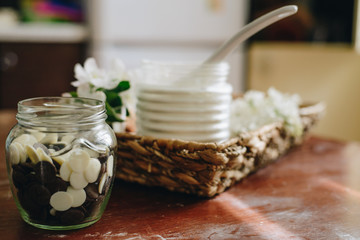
[(181, 110)]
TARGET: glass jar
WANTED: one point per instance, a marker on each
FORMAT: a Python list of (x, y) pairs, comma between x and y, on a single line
[(61, 161), (184, 74)]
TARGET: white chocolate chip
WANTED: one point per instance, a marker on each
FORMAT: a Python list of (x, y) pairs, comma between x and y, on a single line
[(38, 135), (92, 153), (102, 182), (52, 212), (65, 171), (59, 159), (14, 154), (67, 138), (77, 180), (22, 152), (43, 156), (61, 201), (31, 152), (25, 139), (92, 171), (50, 138), (110, 165), (78, 195), (79, 160)]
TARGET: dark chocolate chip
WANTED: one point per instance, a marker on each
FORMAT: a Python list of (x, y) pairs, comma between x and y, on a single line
[(102, 171), (58, 214), (72, 216), (26, 201), (25, 168), (57, 165), (28, 167), (57, 146), (92, 190), (94, 207), (56, 185), (40, 194), (45, 171), (18, 179), (103, 158), (42, 146), (84, 210), (20, 197), (30, 179), (89, 205), (18, 168), (107, 185), (39, 214), (52, 220)]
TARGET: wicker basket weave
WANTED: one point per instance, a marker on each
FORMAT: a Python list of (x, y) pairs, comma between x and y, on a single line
[(205, 169)]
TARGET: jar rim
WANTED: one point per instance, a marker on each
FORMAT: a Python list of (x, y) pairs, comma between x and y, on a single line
[(184, 74), (52, 111)]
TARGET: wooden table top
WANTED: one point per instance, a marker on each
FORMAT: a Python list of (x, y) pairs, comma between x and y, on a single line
[(311, 193)]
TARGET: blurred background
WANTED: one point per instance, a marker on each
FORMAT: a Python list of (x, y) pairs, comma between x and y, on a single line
[(313, 53)]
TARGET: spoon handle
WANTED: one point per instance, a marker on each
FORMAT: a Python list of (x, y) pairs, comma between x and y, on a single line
[(249, 30)]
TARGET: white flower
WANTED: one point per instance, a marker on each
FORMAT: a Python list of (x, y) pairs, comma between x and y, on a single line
[(84, 90), (129, 96), (93, 82), (256, 109), (99, 78)]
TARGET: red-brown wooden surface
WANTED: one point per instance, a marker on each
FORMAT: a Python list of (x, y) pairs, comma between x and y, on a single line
[(311, 193)]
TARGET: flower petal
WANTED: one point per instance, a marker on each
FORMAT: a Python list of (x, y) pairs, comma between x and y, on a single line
[(111, 83), (84, 90), (90, 65), (80, 72), (99, 96), (98, 81), (76, 83)]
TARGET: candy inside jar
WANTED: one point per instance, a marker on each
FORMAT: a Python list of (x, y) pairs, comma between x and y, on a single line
[(61, 179)]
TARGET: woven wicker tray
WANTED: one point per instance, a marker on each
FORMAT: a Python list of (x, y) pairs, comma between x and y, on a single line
[(205, 169)]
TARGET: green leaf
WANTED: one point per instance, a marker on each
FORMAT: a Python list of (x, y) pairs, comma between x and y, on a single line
[(73, 94), (118, 109), (111, 113), (122, 86), (113, 98), (100, 89)]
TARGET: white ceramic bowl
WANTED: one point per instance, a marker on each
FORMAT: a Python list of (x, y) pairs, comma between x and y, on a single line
[(183, 107), (178, 126), (223, 88), (213, 98), (183, 117)]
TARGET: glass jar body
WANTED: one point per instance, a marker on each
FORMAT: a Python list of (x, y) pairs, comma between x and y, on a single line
[(61, 175)]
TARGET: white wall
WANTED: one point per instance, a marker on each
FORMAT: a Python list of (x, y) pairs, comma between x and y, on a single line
[(168, 30)]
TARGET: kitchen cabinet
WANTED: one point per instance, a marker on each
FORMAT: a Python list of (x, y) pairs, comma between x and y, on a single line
[(38, 60), (33, 69)]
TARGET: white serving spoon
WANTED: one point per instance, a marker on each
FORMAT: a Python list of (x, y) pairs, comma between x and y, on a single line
[(249, 30)]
